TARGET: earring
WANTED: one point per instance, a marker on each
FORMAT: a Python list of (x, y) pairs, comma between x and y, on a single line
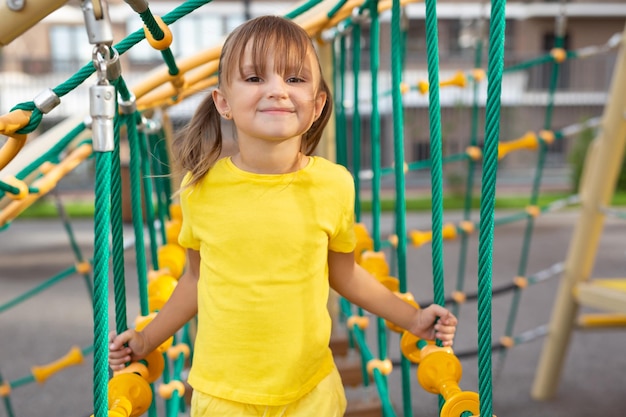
[(226, 115)]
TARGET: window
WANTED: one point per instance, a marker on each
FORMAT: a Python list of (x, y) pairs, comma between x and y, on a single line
[(70, 48)]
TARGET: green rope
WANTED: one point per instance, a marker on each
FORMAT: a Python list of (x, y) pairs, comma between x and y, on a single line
[(101, 278), (356, 118), (490, 167), (117, 235), (397, 57), (435, 150), (135, 175), (375, 123)]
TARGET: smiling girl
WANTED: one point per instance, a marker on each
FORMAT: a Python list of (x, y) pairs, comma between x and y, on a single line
[(268, 232)]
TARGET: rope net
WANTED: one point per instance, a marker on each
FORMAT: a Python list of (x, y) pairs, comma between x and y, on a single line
[(141, 115)]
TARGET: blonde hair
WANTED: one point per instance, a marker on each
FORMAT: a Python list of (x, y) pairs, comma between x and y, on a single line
[(199, 145)]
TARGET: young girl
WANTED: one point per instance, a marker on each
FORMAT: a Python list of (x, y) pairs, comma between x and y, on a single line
[(267, 230)]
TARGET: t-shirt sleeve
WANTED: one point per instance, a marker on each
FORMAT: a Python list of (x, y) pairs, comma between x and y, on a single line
[(186, 237), (344, 238)]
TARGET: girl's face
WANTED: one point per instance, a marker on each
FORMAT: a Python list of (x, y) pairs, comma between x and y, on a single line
[(273, 106)]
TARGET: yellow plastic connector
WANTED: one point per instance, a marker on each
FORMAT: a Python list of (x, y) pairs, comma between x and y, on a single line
[(129, 395), (384, 366), (459, 297), (83, 267), (42, 373), (173, 258), (150, 368), (161, 44), (478, 74), (172, 230), (520, 282), (533, 211), (474, 152), (19, 184), (559, 54), (404, 88), (363, 241), (439, 372), (375, 263), (160, 290), (457, 80), (167, 390), (419, 238), (174, 352), (529, 141), (176, 212), (547, 136), (5, 390), (361, 322), (507, 341)]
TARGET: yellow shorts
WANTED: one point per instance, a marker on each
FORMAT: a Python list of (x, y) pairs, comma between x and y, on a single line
[(327, 399)]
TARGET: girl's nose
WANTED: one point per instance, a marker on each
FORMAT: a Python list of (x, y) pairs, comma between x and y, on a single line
[(276, 86)]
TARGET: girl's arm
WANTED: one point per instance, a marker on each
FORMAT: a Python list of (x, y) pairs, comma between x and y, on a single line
[(361, 288), (181, 307)]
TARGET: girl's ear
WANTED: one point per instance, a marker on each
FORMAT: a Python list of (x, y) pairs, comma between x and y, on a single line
[(320, 102), (221, 104)]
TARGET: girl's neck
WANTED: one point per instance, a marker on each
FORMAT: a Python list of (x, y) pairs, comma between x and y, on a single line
[(270, 163)]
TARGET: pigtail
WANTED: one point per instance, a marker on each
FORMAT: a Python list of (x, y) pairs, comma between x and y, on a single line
[(199, 144)]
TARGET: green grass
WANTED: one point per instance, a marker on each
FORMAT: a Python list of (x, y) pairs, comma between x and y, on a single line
[(81, 209)]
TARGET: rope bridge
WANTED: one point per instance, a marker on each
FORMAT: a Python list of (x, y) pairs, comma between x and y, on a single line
[(118, 110)]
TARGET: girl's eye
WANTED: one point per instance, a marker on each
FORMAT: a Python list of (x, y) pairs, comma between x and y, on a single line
[(294, 80), (253, 79)]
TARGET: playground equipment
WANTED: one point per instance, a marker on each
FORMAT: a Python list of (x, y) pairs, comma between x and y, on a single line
[(438, 369)]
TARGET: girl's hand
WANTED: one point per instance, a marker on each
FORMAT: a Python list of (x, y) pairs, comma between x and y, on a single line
[(128, 346), (435, 322)]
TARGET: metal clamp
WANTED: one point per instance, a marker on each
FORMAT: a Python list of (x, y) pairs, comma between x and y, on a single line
[(97, 22)]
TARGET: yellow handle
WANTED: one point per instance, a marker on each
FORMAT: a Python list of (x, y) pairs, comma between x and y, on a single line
[(73, 357)]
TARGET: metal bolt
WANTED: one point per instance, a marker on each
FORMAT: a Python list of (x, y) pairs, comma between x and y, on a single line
[(16, 5)]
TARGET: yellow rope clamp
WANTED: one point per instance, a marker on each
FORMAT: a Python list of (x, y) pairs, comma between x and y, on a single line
[(558, 54), (547, 136), (408, 346), (9, 124), (384, 366), (507, 342), (160, 290), (5, 390), (161, 44), (439, 372), (528, 141), (20, 185), (459, 297), (533, 211), (173, 257), (83, 267), (478, 74), (457, 80), (42, 373), (467, 226), (520, 282), (360, 321), (375, 263), (172, 230), (419, 238), (151, 371), (474, 152), (129, 395), (363, 241), (174, 352), (166, 390)]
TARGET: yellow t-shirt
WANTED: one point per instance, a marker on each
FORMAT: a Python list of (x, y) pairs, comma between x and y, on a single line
[(263, 323)]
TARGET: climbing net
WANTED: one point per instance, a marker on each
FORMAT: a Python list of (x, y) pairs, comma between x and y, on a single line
[(140, 115)]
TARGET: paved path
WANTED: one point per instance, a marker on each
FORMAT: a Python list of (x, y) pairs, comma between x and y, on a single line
[(45, 327)]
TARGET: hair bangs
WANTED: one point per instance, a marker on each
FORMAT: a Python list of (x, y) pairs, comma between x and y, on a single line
[(264, 37)]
